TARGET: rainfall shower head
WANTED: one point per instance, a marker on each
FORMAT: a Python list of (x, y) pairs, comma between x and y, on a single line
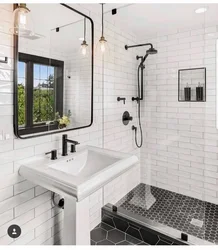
[(151, 51)]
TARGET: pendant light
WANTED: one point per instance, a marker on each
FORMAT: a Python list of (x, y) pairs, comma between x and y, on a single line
[(84, 44), (102, 41), (20, 19)]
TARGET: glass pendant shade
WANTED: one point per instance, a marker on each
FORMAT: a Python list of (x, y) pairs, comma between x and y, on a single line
[(102, 46), (22, 23), (84, 49)]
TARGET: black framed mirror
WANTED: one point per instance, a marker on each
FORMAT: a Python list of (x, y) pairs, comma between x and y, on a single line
[(53, 76)]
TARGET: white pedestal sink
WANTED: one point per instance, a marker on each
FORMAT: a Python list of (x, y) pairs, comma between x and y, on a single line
[(76, 176)]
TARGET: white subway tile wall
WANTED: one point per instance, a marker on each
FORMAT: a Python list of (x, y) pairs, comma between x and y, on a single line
[(180, 152), (28, 205), (181, 141)]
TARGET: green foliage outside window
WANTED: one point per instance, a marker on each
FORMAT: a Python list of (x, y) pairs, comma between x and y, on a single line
[(21, 104), (43, 102)]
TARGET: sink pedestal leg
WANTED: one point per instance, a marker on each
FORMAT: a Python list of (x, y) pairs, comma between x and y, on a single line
[(76, 221)]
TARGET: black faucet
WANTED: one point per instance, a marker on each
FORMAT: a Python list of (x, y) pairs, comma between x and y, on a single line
[(53, 154), (64, 145)]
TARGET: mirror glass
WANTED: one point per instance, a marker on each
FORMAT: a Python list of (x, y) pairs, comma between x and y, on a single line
[(54, 72)]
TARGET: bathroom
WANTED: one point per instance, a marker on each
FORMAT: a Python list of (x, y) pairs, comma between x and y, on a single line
[(139, 125)]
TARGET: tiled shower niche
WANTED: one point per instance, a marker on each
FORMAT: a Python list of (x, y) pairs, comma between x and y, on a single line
[(192, 85)]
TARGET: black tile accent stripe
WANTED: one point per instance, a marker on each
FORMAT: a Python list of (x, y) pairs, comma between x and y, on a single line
[(139, 232), (174, 210), (126, 232), (113, 236)]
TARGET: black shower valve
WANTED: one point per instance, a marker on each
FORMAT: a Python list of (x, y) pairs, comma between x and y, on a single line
[(126, 118)]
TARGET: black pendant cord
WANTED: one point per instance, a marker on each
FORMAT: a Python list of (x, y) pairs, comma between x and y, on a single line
[(102, 19)]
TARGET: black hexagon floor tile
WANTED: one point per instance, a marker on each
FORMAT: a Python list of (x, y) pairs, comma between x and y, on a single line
[(120, 224), (124, 243), (105, 242), (105, 226), (98, 234), (161, 242), (132, 239), (116, 236), (174, 210)]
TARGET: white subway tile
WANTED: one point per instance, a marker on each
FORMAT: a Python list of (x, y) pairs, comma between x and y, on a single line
[(24, 207), (21, 220), (6, 216)]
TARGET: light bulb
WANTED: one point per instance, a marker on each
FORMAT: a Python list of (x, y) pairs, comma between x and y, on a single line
[(102, 47), (84, 46), (102, 42), (22, 19), (84, 51)]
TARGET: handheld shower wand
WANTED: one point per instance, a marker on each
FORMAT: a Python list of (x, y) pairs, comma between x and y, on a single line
[(139, 98)]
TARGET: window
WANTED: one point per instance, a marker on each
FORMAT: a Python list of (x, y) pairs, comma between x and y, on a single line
[(40, 93)]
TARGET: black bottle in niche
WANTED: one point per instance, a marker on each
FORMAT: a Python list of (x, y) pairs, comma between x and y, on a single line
[(199, 92), (187, 93)]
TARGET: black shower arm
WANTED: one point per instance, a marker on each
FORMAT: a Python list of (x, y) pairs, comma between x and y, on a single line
[(139, 45)]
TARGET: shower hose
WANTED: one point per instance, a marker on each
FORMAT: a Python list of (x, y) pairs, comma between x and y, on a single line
[(139, 145)]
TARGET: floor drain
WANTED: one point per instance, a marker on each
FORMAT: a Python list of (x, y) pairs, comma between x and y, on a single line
[(197, 223)]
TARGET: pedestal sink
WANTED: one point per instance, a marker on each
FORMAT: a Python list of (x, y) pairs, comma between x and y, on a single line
[(76, 176)]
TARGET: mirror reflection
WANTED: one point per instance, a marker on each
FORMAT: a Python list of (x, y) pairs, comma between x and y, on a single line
[(54, 71)]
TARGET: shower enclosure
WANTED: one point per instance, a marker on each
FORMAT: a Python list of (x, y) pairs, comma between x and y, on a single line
[(177, 195)]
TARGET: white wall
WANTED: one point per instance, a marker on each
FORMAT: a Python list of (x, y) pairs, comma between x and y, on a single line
[(28, 205), (77, 89), (180, 150), (181, 146)]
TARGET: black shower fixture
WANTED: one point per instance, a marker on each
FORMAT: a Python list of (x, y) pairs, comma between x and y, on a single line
[(141, 67), (126, 118), (139, 45), (150, 51), (121, 99)]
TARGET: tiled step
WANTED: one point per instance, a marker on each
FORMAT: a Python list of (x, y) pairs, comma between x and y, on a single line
[(136, 230), (104, 234)]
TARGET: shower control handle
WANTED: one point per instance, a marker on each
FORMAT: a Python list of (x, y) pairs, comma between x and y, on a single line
[(126, 118), (121, 99)]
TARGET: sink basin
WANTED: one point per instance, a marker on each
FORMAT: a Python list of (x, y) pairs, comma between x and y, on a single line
[(84, 163), (75, 177), (78, 174)]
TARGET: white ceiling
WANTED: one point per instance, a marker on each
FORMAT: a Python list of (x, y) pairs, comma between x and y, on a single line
[(47, 17), (149, 19), (145, 20)]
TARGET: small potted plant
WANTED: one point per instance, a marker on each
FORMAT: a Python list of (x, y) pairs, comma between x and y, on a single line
[(63, 121)]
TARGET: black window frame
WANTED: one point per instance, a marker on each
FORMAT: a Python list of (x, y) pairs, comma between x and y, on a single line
[(30, 60)]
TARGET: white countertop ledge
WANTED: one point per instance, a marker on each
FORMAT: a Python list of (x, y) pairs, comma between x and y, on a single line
[(97, 167)]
